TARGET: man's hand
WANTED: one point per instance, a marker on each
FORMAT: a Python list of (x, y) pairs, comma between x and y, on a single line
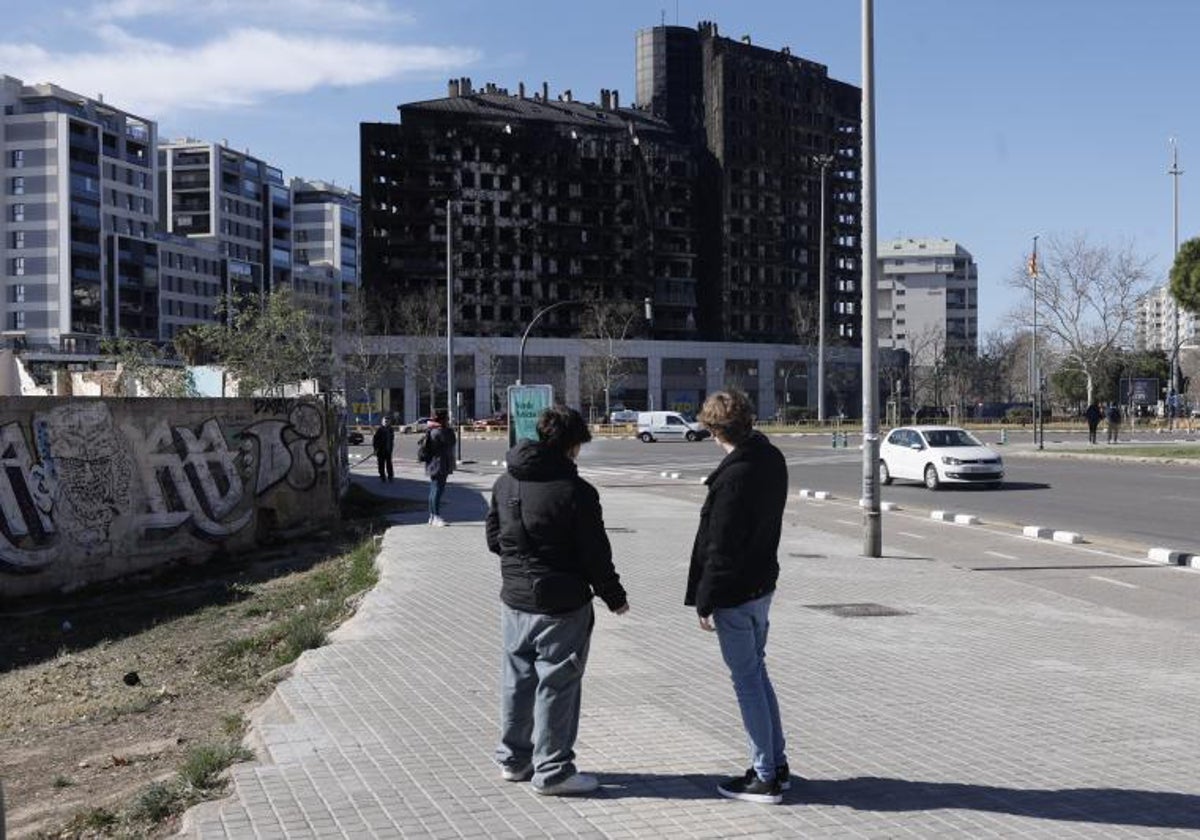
[(706, 623), (621, 610)]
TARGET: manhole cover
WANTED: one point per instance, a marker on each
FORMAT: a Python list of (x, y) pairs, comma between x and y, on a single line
[(857, 610)]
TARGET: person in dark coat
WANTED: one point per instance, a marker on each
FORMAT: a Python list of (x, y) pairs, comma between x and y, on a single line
[(546, 524), (1114, 423), (1093, 420), (440, 462), (732, 578), (383, 442)]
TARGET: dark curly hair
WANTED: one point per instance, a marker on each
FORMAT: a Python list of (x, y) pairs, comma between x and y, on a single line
[(562, 428)]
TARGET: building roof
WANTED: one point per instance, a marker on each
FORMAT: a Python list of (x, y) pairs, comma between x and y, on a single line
[(501, 107), (921, 247)]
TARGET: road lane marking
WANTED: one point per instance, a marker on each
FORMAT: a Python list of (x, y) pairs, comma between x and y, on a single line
[(846, 522), (1001, 555), (910, 534), (1114, 582)]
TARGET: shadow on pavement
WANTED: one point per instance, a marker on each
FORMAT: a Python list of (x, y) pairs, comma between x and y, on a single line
[(1112, 806)]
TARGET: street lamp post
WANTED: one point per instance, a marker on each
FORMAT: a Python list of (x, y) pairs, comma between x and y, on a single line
[(872, 517), (1174, 172), (525, 336), (1035, 374), (824, 162)]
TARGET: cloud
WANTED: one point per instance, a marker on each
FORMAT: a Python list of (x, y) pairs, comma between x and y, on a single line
[(325, 13), (238, 68)]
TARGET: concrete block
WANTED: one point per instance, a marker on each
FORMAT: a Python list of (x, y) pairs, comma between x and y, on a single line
[(1167, 555), (806, 494), (942, 516), (966, 519), (889, 506), (822, 494), (1067, 537), (1038, 532)]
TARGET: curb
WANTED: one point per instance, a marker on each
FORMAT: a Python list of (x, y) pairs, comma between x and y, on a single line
[(1041, 533), (956, 518), (1171, 557)]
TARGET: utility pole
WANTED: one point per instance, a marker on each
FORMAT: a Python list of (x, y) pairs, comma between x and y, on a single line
[(1172, 399), (450, 403), (1035, 374), (823, 161), (872, 519)]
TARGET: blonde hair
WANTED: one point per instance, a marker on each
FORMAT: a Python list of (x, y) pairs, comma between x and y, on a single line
[(729, 415)]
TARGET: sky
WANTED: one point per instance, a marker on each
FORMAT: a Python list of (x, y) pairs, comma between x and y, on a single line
[(996, 120)]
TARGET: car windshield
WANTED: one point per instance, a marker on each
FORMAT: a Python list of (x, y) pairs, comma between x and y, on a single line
[(950, 437)]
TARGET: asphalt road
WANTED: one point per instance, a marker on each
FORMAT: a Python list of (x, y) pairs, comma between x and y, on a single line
[(1107, 501)]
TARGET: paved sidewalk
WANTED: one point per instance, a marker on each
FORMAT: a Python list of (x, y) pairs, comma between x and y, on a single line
[(989, 709)]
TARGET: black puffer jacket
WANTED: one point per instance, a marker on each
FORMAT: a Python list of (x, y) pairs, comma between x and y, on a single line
[(546, 524), (735, 556)]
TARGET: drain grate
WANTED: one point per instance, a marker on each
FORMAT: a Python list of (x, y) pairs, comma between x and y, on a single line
[(857, 610)]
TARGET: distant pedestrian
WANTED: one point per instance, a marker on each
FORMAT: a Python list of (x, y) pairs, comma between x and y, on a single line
[(1114, 422), (383, 442), (1093, 420), (546, 524), (440, 461), (734, 569)]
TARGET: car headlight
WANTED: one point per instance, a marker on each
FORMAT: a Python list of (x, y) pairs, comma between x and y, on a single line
[(946, 459)]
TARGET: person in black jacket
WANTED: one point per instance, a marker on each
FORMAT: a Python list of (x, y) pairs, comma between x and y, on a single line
[(732, 577), (441, 462), (383, 442), (546, 524)]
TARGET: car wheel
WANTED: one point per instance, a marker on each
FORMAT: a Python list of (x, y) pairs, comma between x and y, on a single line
[(931, 477), (646, 437), (885, 475), (691, 437)]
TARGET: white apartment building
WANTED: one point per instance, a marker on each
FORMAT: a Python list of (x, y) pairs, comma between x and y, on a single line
[(76, 176), (326, 242), (1155, 325), (927, 298)]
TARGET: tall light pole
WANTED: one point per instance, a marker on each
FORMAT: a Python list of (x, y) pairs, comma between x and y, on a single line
[(1174, 172), (872, 521), (823, 161), (1035, 374), (525, 336), (450, 403)]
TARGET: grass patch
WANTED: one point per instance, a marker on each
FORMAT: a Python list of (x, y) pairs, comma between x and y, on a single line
[(297, 616), (204, 763), (61, 782), (1179, 452)]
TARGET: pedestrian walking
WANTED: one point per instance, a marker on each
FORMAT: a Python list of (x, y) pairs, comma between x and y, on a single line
[(1114, 422), (383, 442), (437, 451), (1092, 414), (546, 524), (732, 578)]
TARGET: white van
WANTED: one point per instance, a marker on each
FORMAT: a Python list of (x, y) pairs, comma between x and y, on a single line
[(667, 425)]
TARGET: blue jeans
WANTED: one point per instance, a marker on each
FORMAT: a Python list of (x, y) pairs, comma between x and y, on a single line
[(437, 487), (742, 633), (541, 682)]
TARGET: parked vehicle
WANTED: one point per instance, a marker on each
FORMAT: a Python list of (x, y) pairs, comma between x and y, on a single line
[(623, 415), (354, 437), (496, 421), (654, 426), (937, 455)]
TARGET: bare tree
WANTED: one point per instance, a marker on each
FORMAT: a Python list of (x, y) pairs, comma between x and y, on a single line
[(806, 315), (365, 359), (606, 326), (422, 318), (1086, 298)]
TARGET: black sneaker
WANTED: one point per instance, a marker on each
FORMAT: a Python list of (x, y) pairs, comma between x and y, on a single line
[(750, 788), (782, 775)]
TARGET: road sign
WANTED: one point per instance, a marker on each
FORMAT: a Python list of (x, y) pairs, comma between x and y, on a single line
[(525, 403), (1139, 391)]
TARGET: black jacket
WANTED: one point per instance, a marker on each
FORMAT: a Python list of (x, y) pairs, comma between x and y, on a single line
[(546, 524), (735, 555), (383, 441), (442, 441)]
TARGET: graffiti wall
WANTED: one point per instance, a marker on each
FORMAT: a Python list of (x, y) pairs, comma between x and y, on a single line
[(93, 489)]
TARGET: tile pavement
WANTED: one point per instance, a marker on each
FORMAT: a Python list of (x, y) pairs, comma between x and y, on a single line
[(992, 710)]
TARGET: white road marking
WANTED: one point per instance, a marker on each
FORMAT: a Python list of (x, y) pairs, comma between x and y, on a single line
[(910, 534), (846, 522), (1114, 582), (1001, 555)]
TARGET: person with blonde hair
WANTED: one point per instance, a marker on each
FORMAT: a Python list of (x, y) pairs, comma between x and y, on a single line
[(732, 578)]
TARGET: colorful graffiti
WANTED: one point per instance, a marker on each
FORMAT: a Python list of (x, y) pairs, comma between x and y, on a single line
[(76, 484)]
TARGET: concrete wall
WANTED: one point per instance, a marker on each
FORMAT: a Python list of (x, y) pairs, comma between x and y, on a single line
[(93, 489)]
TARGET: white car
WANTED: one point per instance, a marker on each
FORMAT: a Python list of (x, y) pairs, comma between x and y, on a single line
[(938, 455)]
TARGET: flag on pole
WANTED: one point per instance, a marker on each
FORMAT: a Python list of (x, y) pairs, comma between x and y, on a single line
[(1033, 265)]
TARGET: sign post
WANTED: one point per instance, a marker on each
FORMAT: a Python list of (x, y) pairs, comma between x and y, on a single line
[(525, 403)]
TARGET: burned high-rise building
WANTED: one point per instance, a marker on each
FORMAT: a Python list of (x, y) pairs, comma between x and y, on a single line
[(704, 197)]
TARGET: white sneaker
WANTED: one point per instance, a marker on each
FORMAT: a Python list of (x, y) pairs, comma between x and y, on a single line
[(517, 774), (579, 783), (438, 522)]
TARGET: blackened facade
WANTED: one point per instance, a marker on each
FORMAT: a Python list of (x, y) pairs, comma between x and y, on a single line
[(705, 197)]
